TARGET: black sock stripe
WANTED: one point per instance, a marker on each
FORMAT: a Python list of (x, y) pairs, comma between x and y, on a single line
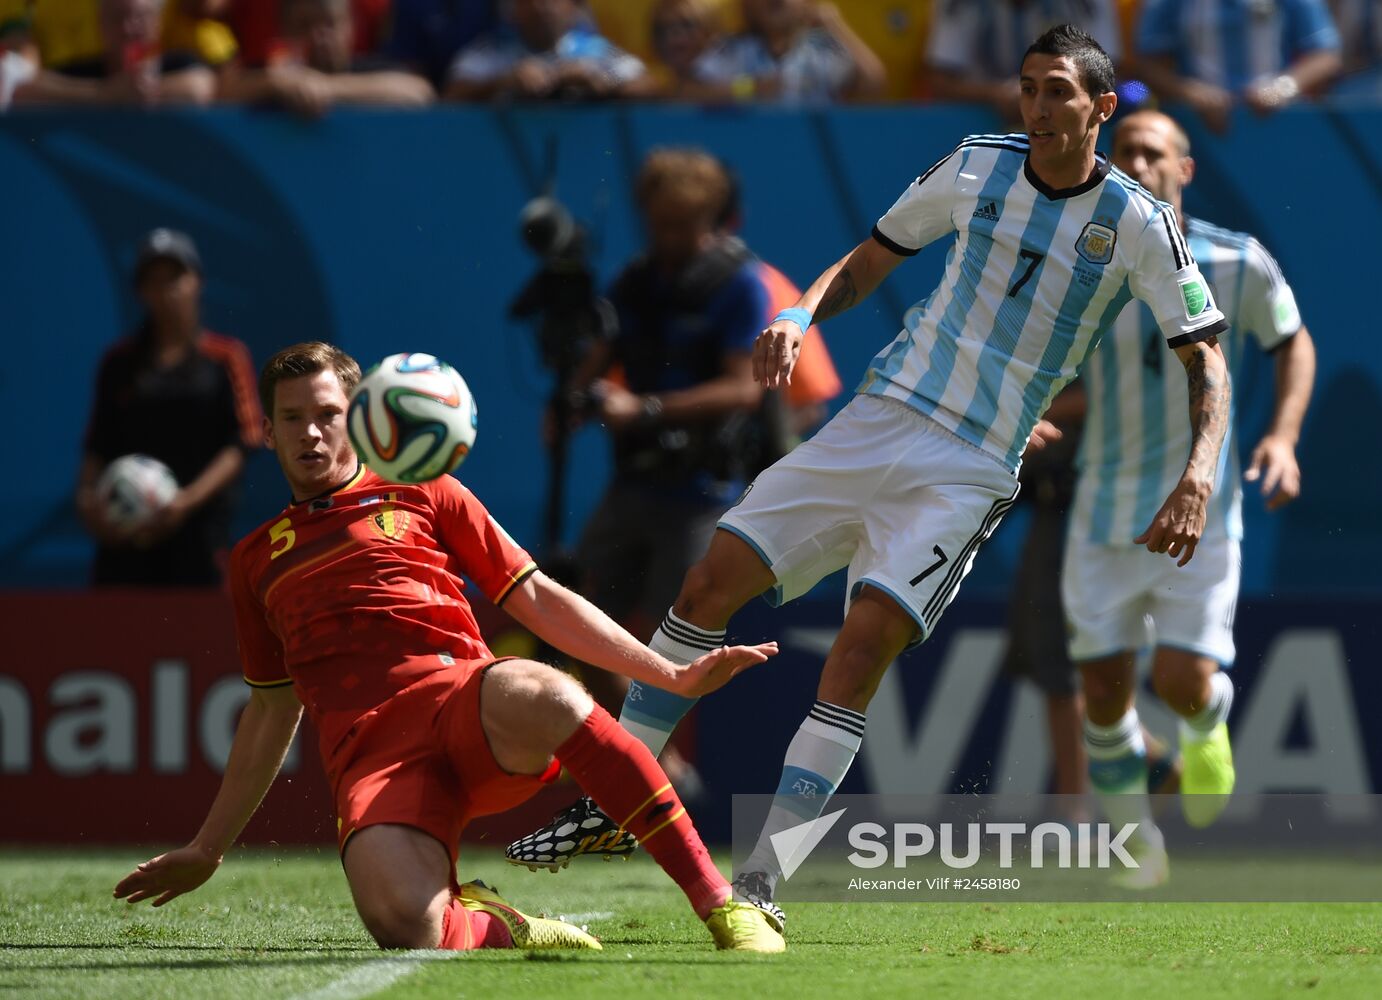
[(702, 646), (682, 628), (689, 638), (688, 627), (844, 713), (841, 721), (844, 727), (687, 641)]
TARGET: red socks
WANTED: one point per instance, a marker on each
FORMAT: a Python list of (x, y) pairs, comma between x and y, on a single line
[(626, 781), (463, 930)]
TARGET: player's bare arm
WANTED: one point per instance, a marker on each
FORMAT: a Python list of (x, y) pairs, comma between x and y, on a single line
[(1274, 459), (261, 741), (581, 630), (842, 285), (1178, 526), (1308, 74)]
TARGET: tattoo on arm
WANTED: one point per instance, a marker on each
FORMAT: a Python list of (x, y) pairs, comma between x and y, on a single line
[(841, 294), (1209, 410)]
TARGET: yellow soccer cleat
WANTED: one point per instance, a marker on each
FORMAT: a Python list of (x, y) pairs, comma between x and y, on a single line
[(743, 927), (528, 933), (1208, 778)]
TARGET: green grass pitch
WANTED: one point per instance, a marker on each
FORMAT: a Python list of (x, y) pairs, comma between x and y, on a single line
[(280, 924)]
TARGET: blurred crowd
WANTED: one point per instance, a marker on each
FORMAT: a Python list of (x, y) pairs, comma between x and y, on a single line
[(308, 55)]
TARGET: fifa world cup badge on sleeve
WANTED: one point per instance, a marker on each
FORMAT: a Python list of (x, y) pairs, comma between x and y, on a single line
[(1195, 294), (1096, 243)]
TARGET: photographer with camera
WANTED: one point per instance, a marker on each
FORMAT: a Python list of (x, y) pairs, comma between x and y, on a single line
[(688, 423)]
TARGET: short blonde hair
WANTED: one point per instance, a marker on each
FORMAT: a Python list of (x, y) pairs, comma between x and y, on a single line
[(691, 176), (306, 359)]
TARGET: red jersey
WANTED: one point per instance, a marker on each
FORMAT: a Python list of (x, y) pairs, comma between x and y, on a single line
[(353, 596)]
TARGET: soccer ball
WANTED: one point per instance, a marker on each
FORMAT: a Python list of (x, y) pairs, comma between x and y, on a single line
[(412, 418), (134, 488)]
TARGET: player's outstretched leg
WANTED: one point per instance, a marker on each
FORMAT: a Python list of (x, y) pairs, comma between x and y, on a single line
[(714, 589), (876, 630), (1202, 695), (1118, 764), (530, 712), (401, 879), (649, 714)]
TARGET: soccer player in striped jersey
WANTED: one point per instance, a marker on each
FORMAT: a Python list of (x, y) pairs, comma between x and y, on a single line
[(1136, 439), (1047, 244)]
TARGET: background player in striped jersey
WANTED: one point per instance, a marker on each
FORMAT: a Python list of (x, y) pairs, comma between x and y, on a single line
[(903, 485), (350, 603), (1216, 54), (1136, 439)]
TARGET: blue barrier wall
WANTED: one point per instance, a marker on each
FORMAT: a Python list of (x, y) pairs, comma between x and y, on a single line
[(946, 721), (387, 232)]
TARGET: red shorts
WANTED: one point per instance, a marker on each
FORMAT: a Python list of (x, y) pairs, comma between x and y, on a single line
[(421, 760)]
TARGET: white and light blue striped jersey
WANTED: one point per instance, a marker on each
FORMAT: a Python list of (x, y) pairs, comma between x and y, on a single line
[(1033, 279), (988, 38), (1231, 43), (1137, 432)]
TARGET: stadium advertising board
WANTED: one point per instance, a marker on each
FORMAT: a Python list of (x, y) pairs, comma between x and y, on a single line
[(117, 711)]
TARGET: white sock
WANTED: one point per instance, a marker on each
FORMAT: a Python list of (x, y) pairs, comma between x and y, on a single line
[(1206, 720), (1118, 774), (650, 714), (818, 759)]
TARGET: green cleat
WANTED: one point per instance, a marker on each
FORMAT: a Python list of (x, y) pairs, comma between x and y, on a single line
[(528, 933), (743, 927), (1207, 780)]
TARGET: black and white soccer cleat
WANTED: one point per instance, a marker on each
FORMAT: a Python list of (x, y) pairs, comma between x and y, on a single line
[(756, 889), (579, 829)]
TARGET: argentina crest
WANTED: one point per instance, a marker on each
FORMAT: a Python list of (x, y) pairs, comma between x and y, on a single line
[(1096, 243)]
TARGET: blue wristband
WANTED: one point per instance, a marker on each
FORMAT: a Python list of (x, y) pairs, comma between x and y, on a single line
[(799, 316)]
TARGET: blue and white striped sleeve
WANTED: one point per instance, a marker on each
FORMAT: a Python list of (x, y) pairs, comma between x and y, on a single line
[(1268, 311), (1165, 276), (922, 213)]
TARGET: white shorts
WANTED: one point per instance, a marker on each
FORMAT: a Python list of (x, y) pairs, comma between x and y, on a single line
[(1121, 597), (884, 490)]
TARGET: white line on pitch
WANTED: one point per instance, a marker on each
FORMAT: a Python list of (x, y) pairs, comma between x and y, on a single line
[(374, 975)]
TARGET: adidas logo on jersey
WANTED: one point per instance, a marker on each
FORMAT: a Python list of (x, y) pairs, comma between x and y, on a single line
[(989, 212)]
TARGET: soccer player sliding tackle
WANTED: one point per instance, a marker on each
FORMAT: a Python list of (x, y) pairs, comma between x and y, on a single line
[(1137, 436), (349, 602), (1048, 243)]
